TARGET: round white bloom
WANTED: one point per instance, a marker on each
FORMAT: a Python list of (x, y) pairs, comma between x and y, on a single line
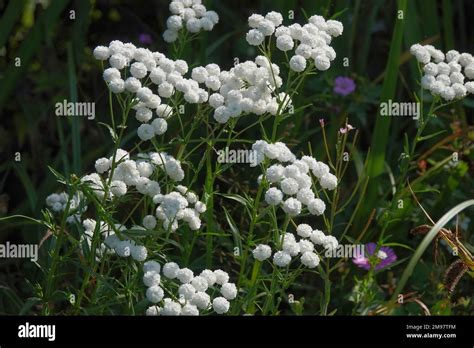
[(318, 237), (275, 173), (185, 275), (273, 196), (330, 243), (427, 81), (139, 253), (170, 270), (138, 70), (255, 37), (229, 291), (448, 94), (157, 75), (143, 114), (189, 310), (118, 188), (209, 276), (154, 294), (164, 111), (146, 132), (285, 43), (305, 196), (282, 30), (275, 17), (200, 207), (117, 86), (305, 245), (266, 27), (186, 291), (459, 90), (151, 266), (101, 53), (165, 90), (220, 305), (221, 114), (170, 308), (159, 125), (193, 25), (443, 68), (152, 311), (149, 222), (292, 207), (289, 186), (118, 61), (281, 259), (170, 35), (216, 100), (431, 69), (316, 206), (304, 230), (328, 181), (255, 20), (221, 277), (334, 28), (291, 246), (470, 86), (174, 22), (201, 300), (111, 74), (469, 71), (199, 283), (144, 94), (310, 259), (298, 63), (262, 252), (322, 62), (151, 278), (102, 165), (199, 74)]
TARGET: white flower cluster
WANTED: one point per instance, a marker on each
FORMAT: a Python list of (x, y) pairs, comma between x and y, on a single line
[(248, 87), (145, 65), (123, 248), (193, 290), (293, 179), (306, 247), (58, 202), (312, 40), (191, 15), (445, 75), (174, 207), (132, 173)]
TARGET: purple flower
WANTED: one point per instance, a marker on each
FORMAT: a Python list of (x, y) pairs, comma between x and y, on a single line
[(145, 38), (344, 85), (384, 257)]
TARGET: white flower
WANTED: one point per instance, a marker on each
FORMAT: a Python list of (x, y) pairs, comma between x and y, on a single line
[(187, 291), (285, 43), (292, 207), (139, 253), (138, 70), (229, 291), (149, 222), (275, 17), (316, 206), (201, 300), (102, 165), (185, 275), (305, 245), (170, 270), (117, 86), (221, 277), (146, 132), (153, 311), (297, 63), (199, 283), (304, 230), (305, 196), (101, 53), (289, 186), (318, 237), (151, 266), (255, 37), (118, 188), (273, 196), (220, 305), (254, 20), (262, 252), (281, 259), (330, 243), (151, 278), (322, 62), (159, 125), (209, 276), (189, 310), (310, 259), (170, 308), (154, 294)]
